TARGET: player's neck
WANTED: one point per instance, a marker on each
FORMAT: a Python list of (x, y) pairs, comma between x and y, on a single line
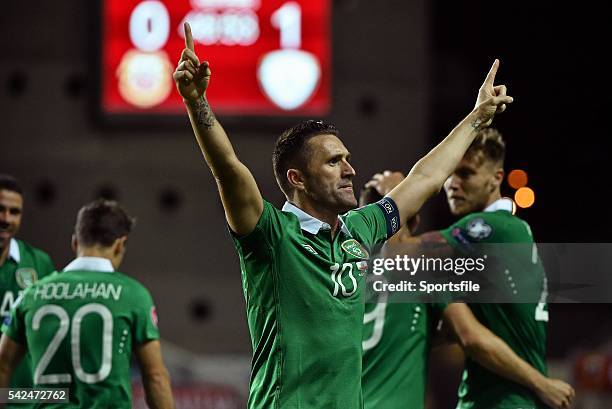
[(100, 252), (495, 196), (325, 215)]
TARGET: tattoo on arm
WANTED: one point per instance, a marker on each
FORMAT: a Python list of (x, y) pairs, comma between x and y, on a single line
[(477, 123), (203, 114)]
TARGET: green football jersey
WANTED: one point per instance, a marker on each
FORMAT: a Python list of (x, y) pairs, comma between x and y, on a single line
[(522, 326), (396, 343), (24, 266), (305, 306), (80, 327)]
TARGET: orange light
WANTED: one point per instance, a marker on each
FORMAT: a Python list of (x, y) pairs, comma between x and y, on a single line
[(517, 178), (524, 197)]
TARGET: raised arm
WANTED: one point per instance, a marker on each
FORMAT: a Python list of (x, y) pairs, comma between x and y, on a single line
[(490, 351), (239, 193), (429, 173)]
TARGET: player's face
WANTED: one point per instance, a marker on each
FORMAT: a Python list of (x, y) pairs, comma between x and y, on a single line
[(11, 207), (470, 186), (329, 175)]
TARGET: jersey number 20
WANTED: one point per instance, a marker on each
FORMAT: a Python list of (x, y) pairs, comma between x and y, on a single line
[(75, 342)]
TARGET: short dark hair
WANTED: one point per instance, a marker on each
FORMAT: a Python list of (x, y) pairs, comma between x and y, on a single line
[(490, 143), (289, 149), (7, 182), (101, 222)]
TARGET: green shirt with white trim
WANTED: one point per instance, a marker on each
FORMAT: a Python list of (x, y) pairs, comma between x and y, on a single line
[(396, 344), (304, 298), (24, 266), (522, 326), (80, 327)]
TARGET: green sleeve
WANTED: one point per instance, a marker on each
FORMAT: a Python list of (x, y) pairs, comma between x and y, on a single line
[(145, 319), (474, 228), (14, 323), (488, 227), (42, 262), (368, 223), (268, 230)]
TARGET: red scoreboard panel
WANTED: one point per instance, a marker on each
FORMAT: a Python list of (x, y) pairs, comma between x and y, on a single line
[(268, 57)]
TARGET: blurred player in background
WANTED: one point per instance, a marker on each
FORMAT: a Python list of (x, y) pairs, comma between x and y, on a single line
[(20, 264), (303, 267), (505, 344), (397, 338), (81, 325)]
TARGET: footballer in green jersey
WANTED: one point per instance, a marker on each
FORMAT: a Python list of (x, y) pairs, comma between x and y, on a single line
[(504, 343), (396, 344), (82, 325), (302, 267), (473, 191), (20, 263), (522, 325), (303, 290)]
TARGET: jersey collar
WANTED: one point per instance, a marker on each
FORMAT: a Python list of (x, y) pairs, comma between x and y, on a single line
[(311, 224), (14, 252), (504, 203), (90, 264)]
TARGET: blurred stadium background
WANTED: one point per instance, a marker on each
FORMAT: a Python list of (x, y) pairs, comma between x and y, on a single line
[(402, 74)]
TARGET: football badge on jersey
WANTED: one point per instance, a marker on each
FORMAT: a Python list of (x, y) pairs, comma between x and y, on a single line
[(362, 267), (25, 277), (354, 248), (478, 229)]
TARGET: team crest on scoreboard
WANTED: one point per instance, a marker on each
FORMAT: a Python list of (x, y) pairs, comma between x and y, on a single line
[(25, 277), (354, 248)]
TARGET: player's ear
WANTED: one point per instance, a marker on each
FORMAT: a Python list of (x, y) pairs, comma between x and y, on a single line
[(498, 177), (296, 179), (119, 245), (74, 243)]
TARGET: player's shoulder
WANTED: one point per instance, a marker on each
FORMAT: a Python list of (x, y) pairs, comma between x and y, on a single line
[(50, 278), (279, 216), (498, 225), (360, 214), (358, 220), (127, 279), (135, 286), (34, 252)]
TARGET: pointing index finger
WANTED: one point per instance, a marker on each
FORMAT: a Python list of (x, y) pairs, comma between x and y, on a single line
[(491, 75), (188, 36)]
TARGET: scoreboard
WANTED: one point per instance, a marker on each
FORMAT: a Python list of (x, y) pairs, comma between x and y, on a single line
[(267, 57)]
